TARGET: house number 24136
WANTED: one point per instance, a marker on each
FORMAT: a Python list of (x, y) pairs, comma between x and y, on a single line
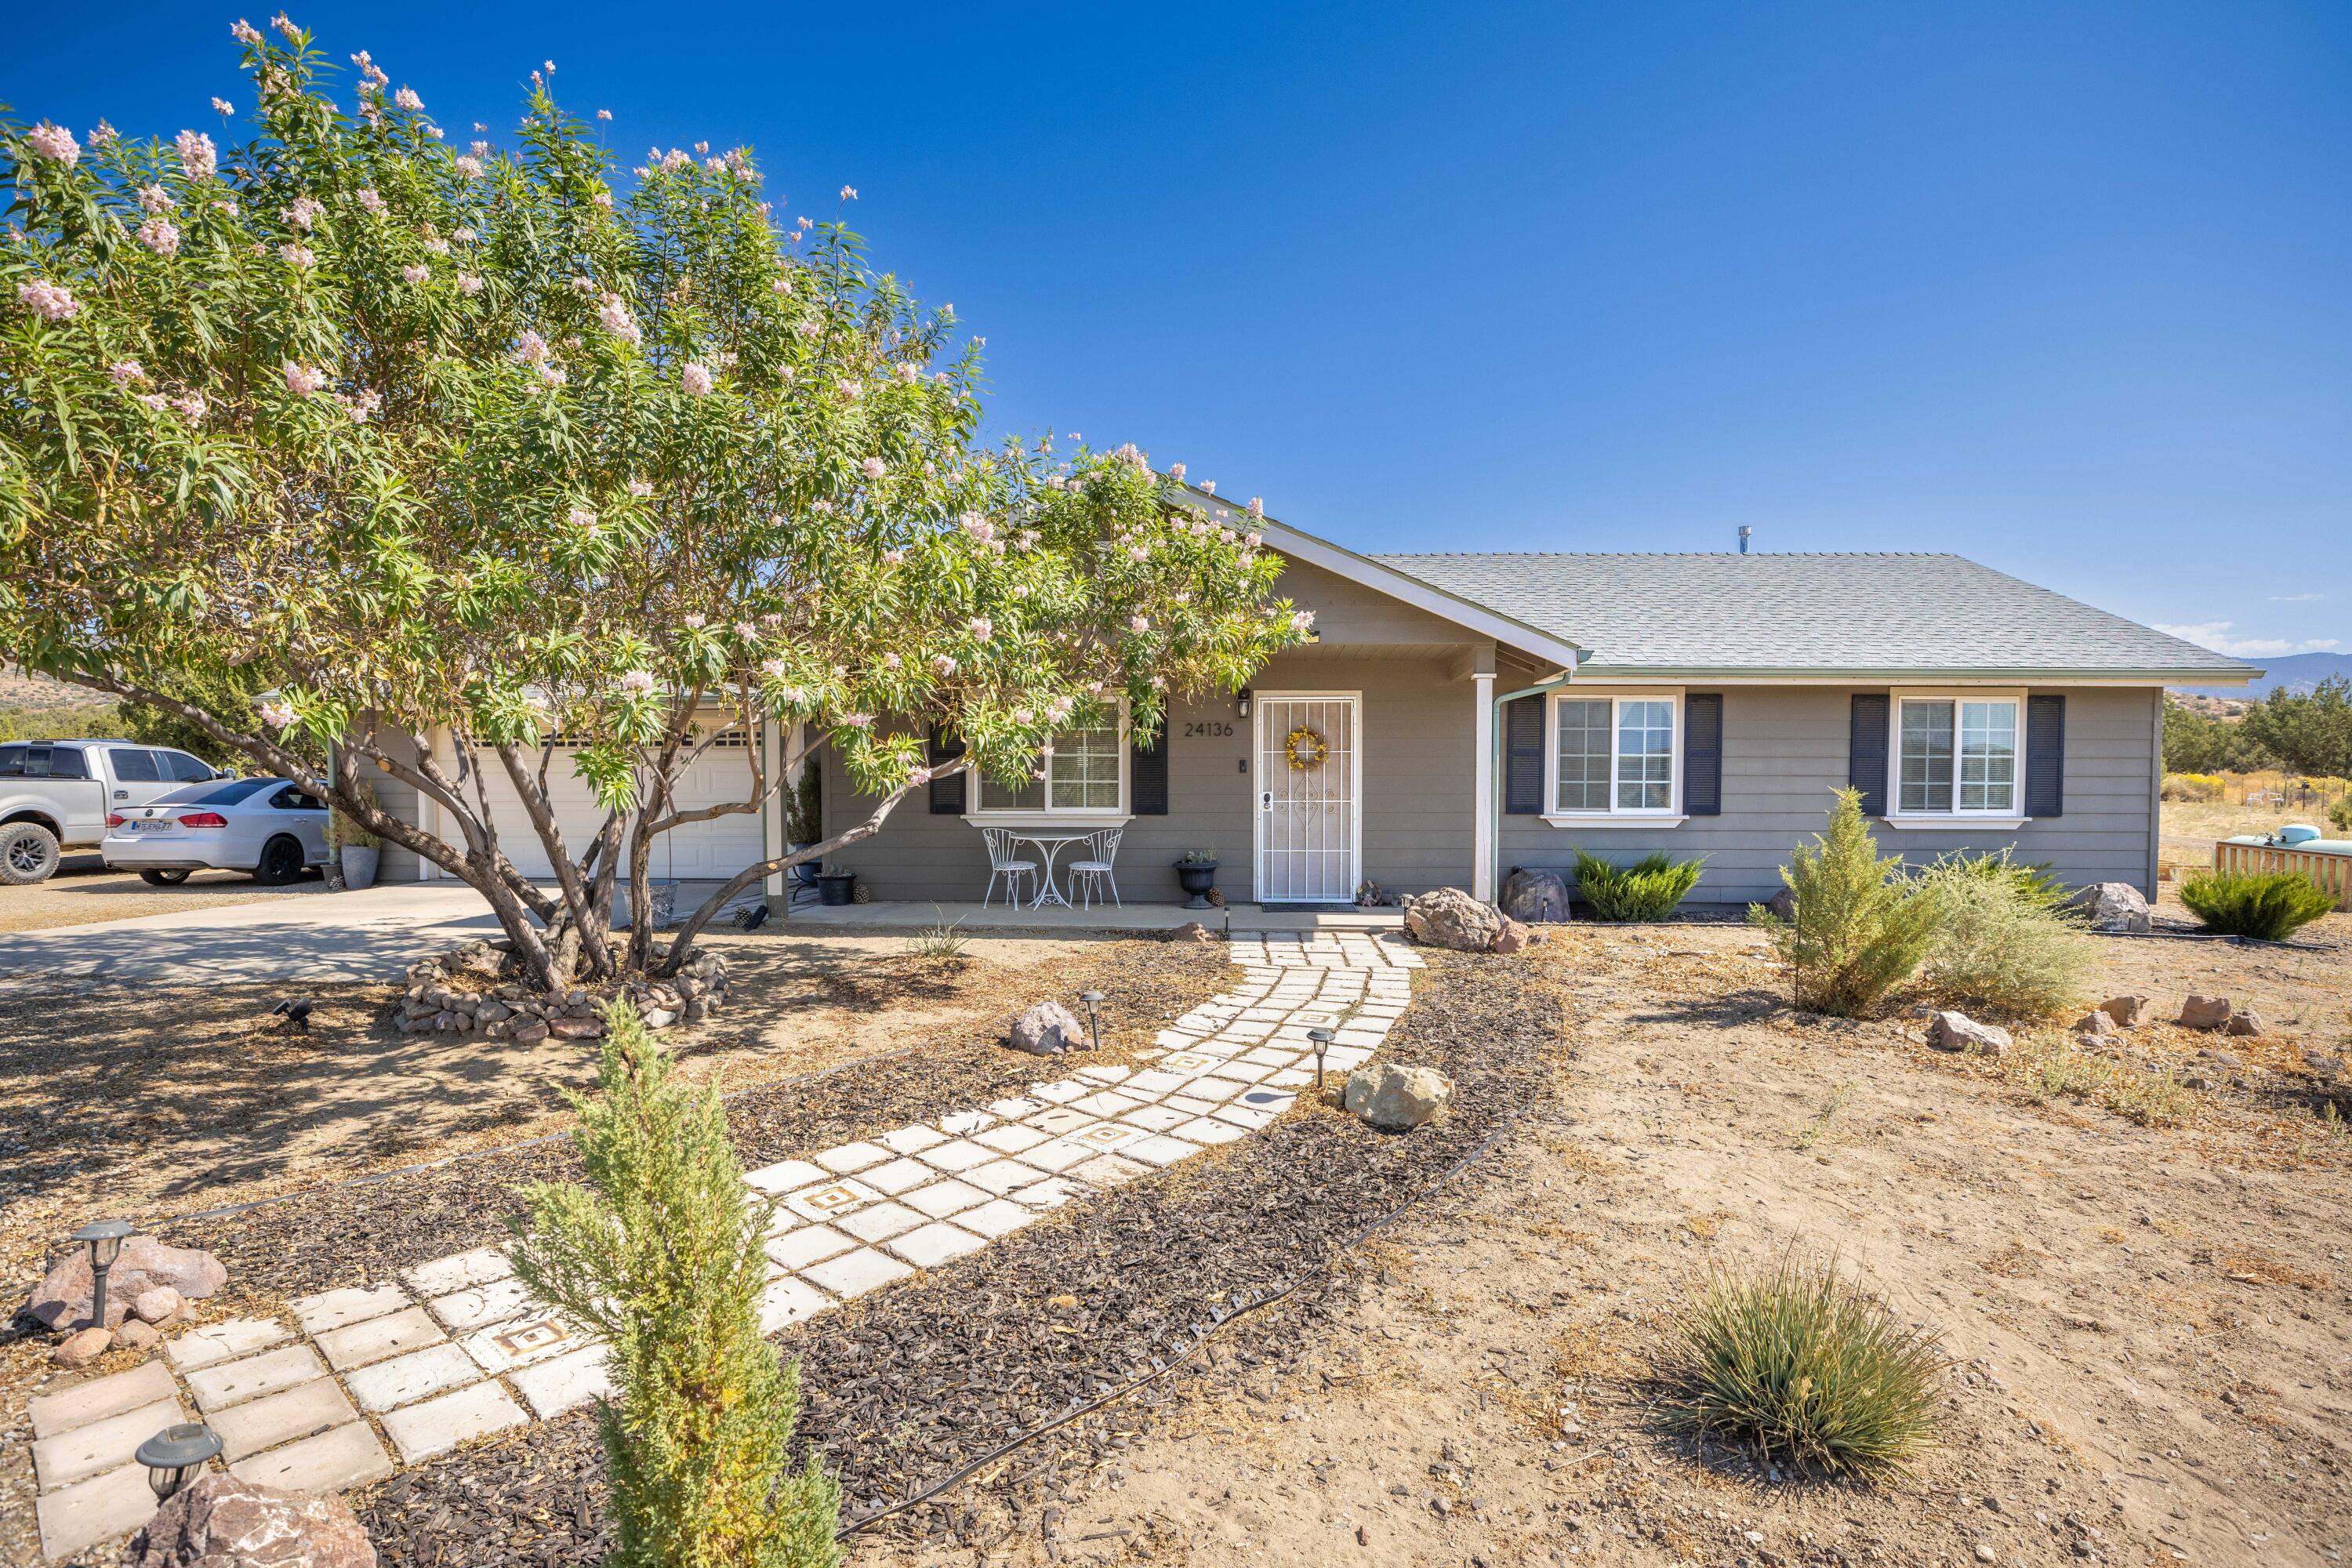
[(1208, 727)]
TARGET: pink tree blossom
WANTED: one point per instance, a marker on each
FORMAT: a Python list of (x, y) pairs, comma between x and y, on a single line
[(198, 159), (55, 144), (158, 234), (302, 381), (696, 380), (50, 301)]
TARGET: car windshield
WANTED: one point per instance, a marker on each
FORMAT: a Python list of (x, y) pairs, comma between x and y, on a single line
[(227, 794)]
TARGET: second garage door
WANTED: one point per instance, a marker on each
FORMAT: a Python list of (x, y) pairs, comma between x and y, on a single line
[(698, 852)]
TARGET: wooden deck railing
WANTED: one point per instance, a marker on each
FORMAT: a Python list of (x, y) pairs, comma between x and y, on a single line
[(2331, 872)]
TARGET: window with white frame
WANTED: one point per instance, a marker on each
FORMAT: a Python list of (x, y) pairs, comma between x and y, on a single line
[(1958, 754), (1083, 771), (1616, 755)]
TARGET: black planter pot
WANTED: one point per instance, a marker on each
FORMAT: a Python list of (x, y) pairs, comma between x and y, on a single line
[(1197, 878), (805, 872), (834, 887)]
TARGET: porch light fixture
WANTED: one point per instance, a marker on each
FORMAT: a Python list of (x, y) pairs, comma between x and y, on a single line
[(104, 1237), (174, 1454), (1094, 1000), (1322, 1039), (1244, 695)]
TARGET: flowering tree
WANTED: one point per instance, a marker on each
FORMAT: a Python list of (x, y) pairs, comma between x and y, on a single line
[(477, 443)]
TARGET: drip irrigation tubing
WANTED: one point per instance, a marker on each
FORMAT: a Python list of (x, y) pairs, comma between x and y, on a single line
[(1202, 1332)]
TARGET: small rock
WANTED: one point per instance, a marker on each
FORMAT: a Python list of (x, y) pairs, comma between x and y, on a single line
[(135, 1335), (1513, 937), (160, 1305), (2098, 1022), (529, 1034), (1192, 931), (2321, 1064), (224, 1522), (2244, 1021), (576, 1030), (660, 1018), (1985, 1554), (2112, 907), (63, 1295), (1047, 1029), (1062, 1303), (2127, 1011), (1957, 1032), (81, 1348), (2205, 1012), (2228, 1061), (1396, 1097)]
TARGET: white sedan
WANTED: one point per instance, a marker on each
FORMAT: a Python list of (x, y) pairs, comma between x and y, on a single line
[(265, 827)]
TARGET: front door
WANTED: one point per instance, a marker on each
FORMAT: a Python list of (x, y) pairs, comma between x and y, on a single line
[(1309, 818)]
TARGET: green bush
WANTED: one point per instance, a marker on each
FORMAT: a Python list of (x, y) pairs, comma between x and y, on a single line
[(2031, 880), (2004, 942), (661, 1254), (2271, 905), (1861, 926), (1810, 1368), (1648, 889), (2339, 815)]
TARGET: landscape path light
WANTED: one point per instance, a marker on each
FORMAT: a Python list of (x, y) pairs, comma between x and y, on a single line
[(104, 1237), (174, 1454), (1322, 1039), (1094, 1001)]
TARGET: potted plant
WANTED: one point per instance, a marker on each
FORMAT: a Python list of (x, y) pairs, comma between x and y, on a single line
[(358, 849), (805, 819), (835, 886), (1198, 873)]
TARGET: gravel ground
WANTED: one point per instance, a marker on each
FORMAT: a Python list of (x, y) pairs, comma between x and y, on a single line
[(84, 892), (906, 1386)]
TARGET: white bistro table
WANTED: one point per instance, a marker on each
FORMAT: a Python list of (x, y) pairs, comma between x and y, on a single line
[(1048, 846)]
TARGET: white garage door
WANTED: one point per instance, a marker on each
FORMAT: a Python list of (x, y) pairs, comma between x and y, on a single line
[(698, 852)]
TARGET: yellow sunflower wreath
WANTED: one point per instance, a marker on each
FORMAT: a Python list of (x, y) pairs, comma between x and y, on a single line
[(1306, 749)]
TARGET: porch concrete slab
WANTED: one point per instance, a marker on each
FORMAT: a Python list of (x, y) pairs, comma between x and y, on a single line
[(100, 1446), (331, 1461), (89, 1511), (101, 1397), (437, 1425), (233, 1382), (998, 918), (221, 1342), (555, 1386), (281, 1417)]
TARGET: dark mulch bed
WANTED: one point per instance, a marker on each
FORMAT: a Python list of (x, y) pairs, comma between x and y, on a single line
[(906, 1386), (367, 1231)]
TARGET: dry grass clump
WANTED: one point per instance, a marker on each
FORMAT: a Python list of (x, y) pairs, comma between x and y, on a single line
[(1810, 1368), (2047, 1072), (2004, 944)]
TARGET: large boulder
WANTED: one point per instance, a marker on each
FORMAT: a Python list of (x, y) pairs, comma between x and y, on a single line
[(1048, 1030), (224, 1522), (1452, 918), (1958, 1032), (63, 1295), (1395, 1098), (2205, 1012), (1783, 905), (2111, 907), (1536, 896)]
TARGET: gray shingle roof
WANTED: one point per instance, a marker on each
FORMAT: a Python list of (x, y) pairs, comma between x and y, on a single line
[(1809, 614)]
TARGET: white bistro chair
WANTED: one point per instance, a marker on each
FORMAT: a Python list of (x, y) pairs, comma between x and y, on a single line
[(1090, 875), (1002, 862)]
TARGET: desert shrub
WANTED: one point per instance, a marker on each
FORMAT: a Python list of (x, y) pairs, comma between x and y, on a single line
[(2339, 815), (2271, 905), (2031, 881), (1810, 1368), (1861, 927), (2004, 942), (2193, 786), (660, 1254), (1648, 889)]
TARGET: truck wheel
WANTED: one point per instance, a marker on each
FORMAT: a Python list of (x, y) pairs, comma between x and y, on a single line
[(281, 862), (170, 877), (28, 853)]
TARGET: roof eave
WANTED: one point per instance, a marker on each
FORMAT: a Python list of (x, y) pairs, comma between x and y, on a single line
[(2039, 675)]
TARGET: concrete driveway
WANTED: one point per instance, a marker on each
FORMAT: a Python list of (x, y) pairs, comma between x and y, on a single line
[(369, 935)]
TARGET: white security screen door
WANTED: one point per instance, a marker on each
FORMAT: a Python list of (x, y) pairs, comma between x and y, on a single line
[(1309, 834)]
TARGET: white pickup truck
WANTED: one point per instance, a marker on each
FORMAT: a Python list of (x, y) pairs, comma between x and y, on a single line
[(56, 796)]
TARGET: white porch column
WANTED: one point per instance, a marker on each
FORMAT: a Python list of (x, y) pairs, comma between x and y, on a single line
[(1482, 833), (772, 814)]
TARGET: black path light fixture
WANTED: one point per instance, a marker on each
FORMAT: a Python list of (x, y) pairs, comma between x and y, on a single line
[(104, 1237), (175, 1455), (1094, 1001), (1322, 1041)]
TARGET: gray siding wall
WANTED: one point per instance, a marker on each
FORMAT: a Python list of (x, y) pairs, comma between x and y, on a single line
[(399, 799), (1785, 749), (1418, 724)]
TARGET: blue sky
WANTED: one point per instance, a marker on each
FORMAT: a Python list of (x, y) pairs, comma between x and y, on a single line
[(2065, 289)]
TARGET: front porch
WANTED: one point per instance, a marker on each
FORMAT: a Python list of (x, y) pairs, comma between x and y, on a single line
[(998, 918)]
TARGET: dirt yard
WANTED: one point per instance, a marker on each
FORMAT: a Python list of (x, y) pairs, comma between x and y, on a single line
[(2149, 1326), (150, 1100), (84, 892)]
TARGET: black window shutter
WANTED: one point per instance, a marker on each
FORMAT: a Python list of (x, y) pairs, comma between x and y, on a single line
[(1147, 772), (1866, 761), (1523, 758), (1703, 753), (947, 794), (2045, 756)]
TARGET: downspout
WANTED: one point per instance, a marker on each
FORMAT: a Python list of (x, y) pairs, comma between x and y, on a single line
[(1495, 770)]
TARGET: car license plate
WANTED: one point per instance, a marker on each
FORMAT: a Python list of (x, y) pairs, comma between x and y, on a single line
[(159, 826)]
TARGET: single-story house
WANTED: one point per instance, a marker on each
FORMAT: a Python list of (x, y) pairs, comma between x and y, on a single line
[(1458, 715)]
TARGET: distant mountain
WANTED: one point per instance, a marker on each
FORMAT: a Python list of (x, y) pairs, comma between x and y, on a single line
[(2296, 672)]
